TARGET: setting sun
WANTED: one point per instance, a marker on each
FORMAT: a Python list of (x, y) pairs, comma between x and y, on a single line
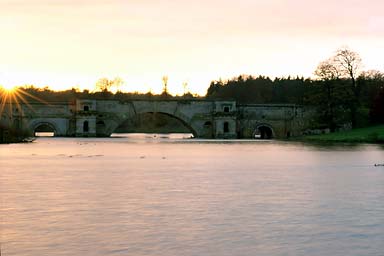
[(14, 95), (8, 88)]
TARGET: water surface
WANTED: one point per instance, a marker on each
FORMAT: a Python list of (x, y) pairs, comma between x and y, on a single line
[(170, 195)]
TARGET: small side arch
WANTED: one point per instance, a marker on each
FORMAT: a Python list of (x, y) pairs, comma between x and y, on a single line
[(264, 132), (208, 130), (44, 129), (100, 128)]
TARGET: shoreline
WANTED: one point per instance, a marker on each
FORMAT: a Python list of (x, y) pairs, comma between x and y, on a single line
[(371, 134)]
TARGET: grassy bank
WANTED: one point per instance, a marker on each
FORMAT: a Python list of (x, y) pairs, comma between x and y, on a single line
[(373, 134)]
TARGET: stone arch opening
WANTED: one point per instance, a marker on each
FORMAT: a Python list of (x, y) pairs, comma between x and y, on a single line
[(44, 129), (85, 126), (100, 128), (226, 127), (155, 122), (208, 129), (16, 123), (263, 132)]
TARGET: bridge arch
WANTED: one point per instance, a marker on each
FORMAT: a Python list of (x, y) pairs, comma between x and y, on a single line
[(173, 116), (263, 131), (44, 126)]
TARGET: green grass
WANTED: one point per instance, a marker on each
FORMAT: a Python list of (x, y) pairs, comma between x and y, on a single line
[(373, 134)]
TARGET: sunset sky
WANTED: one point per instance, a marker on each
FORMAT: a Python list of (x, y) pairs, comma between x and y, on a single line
[(73, 43)]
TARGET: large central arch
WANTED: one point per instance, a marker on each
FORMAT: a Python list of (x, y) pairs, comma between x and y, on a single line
[(179, 119)]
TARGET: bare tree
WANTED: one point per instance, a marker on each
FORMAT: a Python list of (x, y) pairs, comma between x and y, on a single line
[(118, 82), (185, 87), (345, 64), (165, 85), (372, 75), (328, 72), (105, 84), (349, 63)]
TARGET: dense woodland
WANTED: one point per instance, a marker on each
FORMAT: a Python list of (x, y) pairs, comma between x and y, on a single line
[(341, 93), (333, 107)]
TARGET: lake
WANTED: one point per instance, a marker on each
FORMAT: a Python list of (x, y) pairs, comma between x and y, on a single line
[(152, 194)]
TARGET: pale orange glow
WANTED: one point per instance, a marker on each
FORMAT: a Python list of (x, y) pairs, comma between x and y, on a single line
[(72, 43)]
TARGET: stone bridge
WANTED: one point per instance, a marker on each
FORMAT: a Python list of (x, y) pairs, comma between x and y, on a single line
[(204, 118)]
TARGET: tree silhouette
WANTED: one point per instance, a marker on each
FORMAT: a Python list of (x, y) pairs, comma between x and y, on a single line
[(165, 85), (376, 113), (185, 88), (328, 72), (348, 64), (104, 84)]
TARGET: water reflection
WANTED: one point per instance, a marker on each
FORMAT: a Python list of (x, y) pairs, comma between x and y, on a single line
[(337, 146), (140, 136), (44, 134), (166, 195)]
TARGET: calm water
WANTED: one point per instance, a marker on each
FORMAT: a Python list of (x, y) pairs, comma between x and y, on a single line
[(147, 195)]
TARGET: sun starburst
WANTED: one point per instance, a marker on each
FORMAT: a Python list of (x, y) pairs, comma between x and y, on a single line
[(15, 96), (8, 88)]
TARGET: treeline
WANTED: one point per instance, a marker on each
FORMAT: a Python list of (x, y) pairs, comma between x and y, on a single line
[(247, 89), (102, 91), (32, 93), (262, 89)]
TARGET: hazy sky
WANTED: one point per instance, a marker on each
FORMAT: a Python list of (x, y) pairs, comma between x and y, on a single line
[(68, 43)]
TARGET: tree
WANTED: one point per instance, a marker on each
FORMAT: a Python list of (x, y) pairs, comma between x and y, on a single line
[(348, 63), (373, 93), (185, 88), (344, 65), (372, 75), (165, 85), (118, 82), (376, 112), (105, 85), (329, 72)]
